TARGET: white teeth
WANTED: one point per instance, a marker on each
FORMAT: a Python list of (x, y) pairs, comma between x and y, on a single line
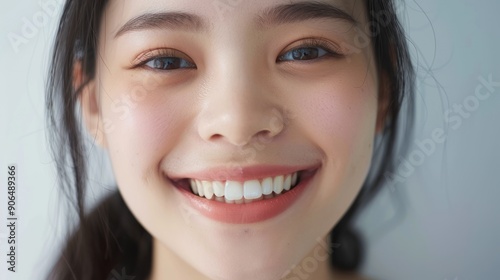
[(200, 188), (267, 186), (218, 188), (239, 201), (194, 188), (250, 200), (288, 182), (252, 189), (278, 184), (244, 192), (233, 190), (207, 189)]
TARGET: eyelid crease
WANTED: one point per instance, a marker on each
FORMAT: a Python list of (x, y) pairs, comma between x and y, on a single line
[(146, 56), (332, 49)]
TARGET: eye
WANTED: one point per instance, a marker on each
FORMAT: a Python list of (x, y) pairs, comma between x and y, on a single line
[(168, 63), (303, 54), (310, 50), (165, 59)]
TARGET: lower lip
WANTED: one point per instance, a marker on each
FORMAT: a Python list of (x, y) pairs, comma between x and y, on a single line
[(256, 211)]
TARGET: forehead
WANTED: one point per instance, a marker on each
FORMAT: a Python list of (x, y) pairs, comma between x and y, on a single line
[(230, 14)]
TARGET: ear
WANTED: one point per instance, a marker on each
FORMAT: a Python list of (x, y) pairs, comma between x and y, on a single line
[(89, 104), (384, 101)]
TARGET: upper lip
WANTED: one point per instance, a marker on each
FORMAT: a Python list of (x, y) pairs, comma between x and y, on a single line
[(242, 173)]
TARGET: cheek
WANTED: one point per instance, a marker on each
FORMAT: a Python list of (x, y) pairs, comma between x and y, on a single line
[(141, 125), (341, 120)]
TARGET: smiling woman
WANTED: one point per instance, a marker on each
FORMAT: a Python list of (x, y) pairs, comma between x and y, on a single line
[(250, 140)]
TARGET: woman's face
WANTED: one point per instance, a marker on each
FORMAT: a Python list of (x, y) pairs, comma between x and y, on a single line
[(235, 91)]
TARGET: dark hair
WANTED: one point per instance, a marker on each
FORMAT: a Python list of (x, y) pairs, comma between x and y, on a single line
[(109, 239)]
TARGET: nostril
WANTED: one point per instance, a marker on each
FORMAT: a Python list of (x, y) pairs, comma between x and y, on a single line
[(266, 134), (263, 137)]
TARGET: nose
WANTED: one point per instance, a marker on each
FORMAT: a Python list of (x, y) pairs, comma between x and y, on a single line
[(238, 109)]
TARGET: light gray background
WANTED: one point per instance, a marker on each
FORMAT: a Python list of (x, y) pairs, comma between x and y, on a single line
[(441, 222)]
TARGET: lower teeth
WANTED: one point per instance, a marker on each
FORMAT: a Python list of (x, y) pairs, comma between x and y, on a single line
[(243, 200)]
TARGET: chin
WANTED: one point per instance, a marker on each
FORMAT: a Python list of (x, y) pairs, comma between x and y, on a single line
[(251, 272), (256, 261)]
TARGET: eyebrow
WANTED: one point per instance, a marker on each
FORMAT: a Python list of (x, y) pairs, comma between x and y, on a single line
[(167, 20), (302, 11), (277, 15)]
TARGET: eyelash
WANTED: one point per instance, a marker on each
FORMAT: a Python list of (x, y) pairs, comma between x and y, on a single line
[(150, 56), (329, 48), (310, 43)]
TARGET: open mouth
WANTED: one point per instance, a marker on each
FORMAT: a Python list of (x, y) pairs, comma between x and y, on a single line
[(240, 192), (240, 202)]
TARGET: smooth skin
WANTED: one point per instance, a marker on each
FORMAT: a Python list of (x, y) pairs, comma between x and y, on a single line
[(236, 95)]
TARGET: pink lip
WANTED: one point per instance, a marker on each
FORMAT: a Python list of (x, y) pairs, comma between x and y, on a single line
[(241, 173), (253, 212)]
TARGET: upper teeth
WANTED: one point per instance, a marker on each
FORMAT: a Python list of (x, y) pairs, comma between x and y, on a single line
[(251, 189)]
